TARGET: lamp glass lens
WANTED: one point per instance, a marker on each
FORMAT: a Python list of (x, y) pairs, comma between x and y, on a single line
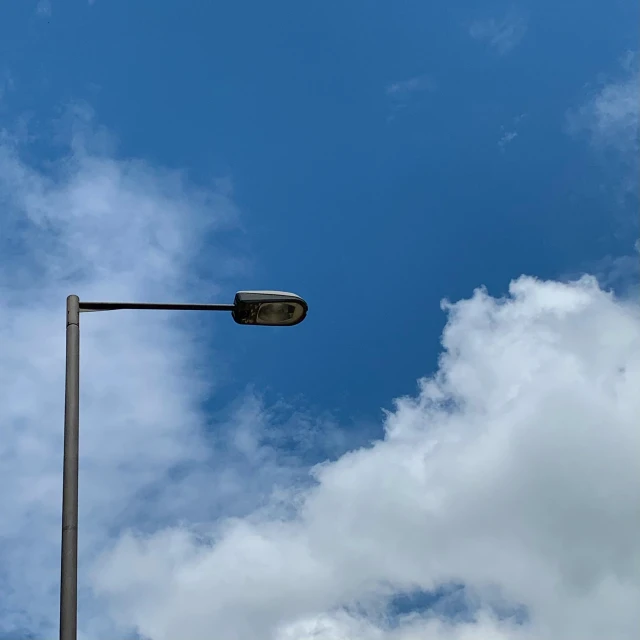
[(279, 313)]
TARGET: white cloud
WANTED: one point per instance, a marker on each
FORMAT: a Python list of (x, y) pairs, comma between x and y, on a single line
[(404, 88), (404, 92), (506, 138), (609, 119), (105, 229), (612, 112), (620, 273), (502, 35), (509, 134), (6, 84), (43, 8), (513, 471)]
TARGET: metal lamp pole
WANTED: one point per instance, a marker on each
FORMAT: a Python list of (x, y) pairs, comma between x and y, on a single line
[(267, 308), (69, 560)]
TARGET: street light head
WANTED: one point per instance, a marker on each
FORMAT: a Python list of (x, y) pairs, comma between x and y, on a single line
[(268, 308)]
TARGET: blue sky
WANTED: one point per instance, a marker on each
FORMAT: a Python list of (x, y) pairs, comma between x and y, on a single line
[(376, 158)]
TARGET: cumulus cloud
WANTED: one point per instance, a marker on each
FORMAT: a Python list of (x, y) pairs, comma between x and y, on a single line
[(513, 472), (500, 502), (501, 35)]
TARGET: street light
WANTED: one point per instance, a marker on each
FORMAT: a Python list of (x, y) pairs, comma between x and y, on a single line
[(266, 308)]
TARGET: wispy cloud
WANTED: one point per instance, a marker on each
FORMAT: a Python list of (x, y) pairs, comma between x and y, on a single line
[(609, 119), (611, 114), (43, 8), (6, 84), (405, 88), (403, 92), (621, 273), (105, 229), (506, 138), (510, 133), (502, 35)]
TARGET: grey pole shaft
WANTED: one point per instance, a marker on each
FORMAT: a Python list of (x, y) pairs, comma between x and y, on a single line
[(69, 555)]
